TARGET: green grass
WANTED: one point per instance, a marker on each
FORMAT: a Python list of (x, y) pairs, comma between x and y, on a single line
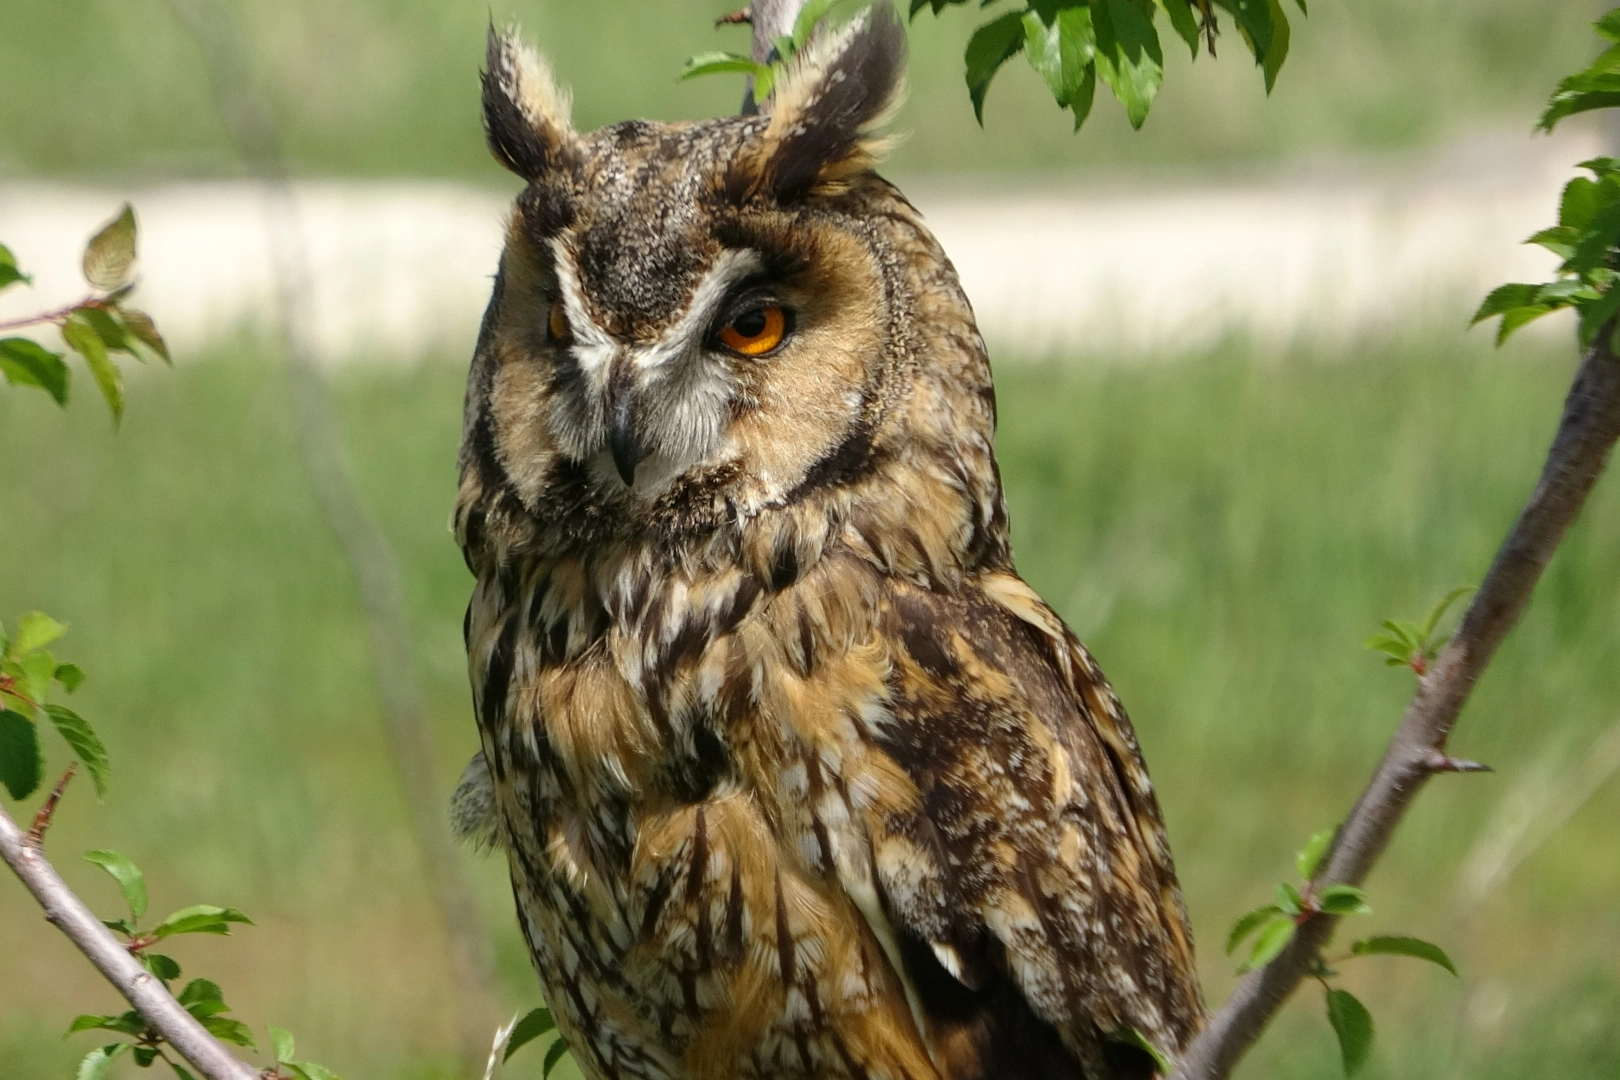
[(1224, 531), (116, 89)]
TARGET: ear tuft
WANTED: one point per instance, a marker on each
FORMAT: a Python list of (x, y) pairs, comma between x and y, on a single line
[(824, 108), (526, 114)]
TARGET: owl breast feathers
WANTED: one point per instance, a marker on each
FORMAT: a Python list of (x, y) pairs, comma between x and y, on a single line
[(795, 776)]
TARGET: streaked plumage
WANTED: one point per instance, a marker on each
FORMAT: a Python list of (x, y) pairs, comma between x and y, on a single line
[(795, 776)]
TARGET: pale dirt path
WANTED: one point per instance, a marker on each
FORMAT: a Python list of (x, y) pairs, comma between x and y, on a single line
[(402, 269)]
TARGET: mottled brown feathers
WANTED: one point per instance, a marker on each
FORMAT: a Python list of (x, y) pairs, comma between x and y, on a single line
[(795, 777)]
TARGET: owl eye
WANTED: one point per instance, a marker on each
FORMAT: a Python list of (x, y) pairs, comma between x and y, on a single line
[(756, 331), (558, 323)]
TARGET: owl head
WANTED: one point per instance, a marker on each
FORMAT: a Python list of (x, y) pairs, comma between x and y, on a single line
[(696, 321)]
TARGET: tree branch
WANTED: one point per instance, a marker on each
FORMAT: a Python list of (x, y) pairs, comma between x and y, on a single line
[(143, 990), (1580, 450)]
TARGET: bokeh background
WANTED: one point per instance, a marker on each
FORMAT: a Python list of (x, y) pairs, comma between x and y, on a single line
[(1223, 501)]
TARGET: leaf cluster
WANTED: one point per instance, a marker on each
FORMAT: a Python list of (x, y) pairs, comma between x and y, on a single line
[(1415, 644), (805, 24), (1587, 236), (534, 1024), (96, 328), (29, 674), (1273, 926), (1073, 43)]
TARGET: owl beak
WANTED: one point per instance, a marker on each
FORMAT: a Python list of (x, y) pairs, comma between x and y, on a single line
[(627, 452)]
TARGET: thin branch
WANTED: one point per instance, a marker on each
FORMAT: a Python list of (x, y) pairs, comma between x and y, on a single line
[(371, 559), (143, 990), (1580, 450), (58, 316)]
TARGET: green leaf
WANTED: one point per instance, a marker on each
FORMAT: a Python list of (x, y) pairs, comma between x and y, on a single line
[(1438, 612), (130, 880), (37, 669), (281, 1044), (28, 363), (36, 630), (1249, 924), (69, 676), (531, 1027), (200, 991), (85, 743), (1061, 51), (714, 63), (1128, 56), (180, 1071), (1518, 317), (1595, 313), (1274, 938), (1601, 234), (20, 763), (83, 339), (109, 330), (991, 45), (162, 966), (128, 1023), (144, 1055), (228, 1030), (553, 1056), (1253, 18), (144, 330), (199, 919), (1558, 239), (1505, 298), (1343, 900), (9, 274), (1288, 899), (1135, 1038), (809, 17), (1185, 23), (1354, 1027), (1404, 946), (308, 1070), (1310, 856), (109, 258), (1277, 50), (95, 1064)]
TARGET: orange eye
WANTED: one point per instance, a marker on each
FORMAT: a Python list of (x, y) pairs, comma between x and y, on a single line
[(757, 331), (559, 322)]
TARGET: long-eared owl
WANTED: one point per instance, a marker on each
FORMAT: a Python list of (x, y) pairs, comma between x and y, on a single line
[(795, 776)]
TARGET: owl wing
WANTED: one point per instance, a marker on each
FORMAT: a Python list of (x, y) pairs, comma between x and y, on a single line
[(1030, 892)]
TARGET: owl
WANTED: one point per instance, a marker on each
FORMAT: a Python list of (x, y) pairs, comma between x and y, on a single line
[(795, 776)]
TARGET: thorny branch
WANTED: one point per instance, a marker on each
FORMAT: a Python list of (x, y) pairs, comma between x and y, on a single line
[(140, 988), (1580, 450)]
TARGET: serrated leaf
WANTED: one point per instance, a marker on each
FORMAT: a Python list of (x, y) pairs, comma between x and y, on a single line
[(143, 329), (554, 1055), (1404, 946), (20, 763), (1289, 901), (1310, 856), (1185, 23), (715, 63), (1519, 317), (1129, 59), (94, 1065), (533, 1025), (1505, 298), (1249, 923), (228, 1030), (110, 330), (180, 1071), (28, 363), (127, 1023), (1061, 51), (1595, 313), (37, 670), (144, 1055), (130, 880), (82, 338), (200, 990), (1253, 18), (69, 676), (991, 45), (1354, 1027), (1277, 50), (1273, 939), (109, 258), (1343, 900), (164, 967), (199, 919), (9, 272), (308, 1070), (35, 630), (85, 743), (281, 1044)]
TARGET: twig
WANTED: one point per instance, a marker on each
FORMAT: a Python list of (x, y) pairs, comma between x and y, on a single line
[(57, 316), (370, 557), (42, 820), (1580, 450), (140, 988)]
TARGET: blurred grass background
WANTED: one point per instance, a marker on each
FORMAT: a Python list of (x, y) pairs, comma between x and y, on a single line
[(1223, 527)]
